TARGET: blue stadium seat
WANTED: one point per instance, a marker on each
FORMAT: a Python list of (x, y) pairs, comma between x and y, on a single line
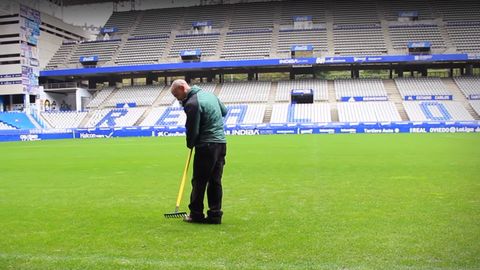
[(18, 120)]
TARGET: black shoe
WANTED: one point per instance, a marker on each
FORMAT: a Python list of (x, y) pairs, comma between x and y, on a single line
[(213, 220), (189, 219)]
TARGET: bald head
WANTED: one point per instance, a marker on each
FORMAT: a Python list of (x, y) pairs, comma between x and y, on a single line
[(179, 89)]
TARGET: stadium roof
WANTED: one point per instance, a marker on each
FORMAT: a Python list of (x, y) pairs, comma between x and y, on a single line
[(83, 2)]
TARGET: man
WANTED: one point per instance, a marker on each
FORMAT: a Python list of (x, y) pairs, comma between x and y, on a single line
[(204, 130)]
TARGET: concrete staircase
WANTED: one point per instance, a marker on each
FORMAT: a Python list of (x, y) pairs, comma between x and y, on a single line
[(394, 96), (86, 119), (450, 47), (163, 93), (332, 100), (460, 97), (102, 105), (275, 31), (223, 35), (329, 26), (217, 90), (168, 46), (388, 39), (271, 100), (143, 116)]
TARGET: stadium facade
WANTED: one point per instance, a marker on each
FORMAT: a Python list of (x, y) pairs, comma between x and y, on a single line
[(117, 84)]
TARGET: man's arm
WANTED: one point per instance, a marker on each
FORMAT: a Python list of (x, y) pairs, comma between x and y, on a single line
[(222, 108), (192, 125)]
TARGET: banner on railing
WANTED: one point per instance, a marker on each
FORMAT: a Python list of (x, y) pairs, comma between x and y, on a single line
[(259, 129)]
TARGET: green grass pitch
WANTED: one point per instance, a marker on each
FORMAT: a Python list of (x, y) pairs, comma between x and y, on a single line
[(397, 201)]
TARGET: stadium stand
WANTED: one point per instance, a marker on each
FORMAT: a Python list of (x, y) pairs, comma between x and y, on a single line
[(284, 88), (359, 88), (217, 15), (316, 37), (115, 117), (250, 31), (146, 50), (359, 39), (436, 111), (458, 10), (465, 35), (301, 113), (207, 43), (368, 112), (100, 97), (421, 87), (67, 119), (245, 92), (168, 99), (401, 34), (103, 49), (159, 116), (266, 30), (475, 105), (365, 12), (316, 9), (392, 8), (237, 114), (62, 55), (139, 94), (16, 120), (468, 85), (245, 114), (252, 44), (123, 21), (5, 126), (252, 16), (155, 22)]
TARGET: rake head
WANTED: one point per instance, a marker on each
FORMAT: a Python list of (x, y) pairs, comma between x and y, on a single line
[(176, 215)]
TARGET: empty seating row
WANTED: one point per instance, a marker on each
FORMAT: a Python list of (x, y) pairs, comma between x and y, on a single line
[(141, 51), (301, 113), (436, 111), (421, 87), (157, 21), (383, 111), (470, 86), (402, 34), (237, 114), (359, 40), (319, 87), (104, 50), (69, 119), (316, 37), (115, 117), (465, 35), (15, 120), (100, 97), (169, 99), (359, 88), (475, 105), (139, 94), (245, 92), (363, 11), (206, 43), (247, 45)]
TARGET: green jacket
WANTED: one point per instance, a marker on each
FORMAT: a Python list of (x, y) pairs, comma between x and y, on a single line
[(205, 114)]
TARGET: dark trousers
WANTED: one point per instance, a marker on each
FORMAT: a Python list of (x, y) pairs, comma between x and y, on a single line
[(207, 175)]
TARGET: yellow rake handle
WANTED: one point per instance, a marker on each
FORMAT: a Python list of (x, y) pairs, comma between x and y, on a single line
[(184, 177)]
